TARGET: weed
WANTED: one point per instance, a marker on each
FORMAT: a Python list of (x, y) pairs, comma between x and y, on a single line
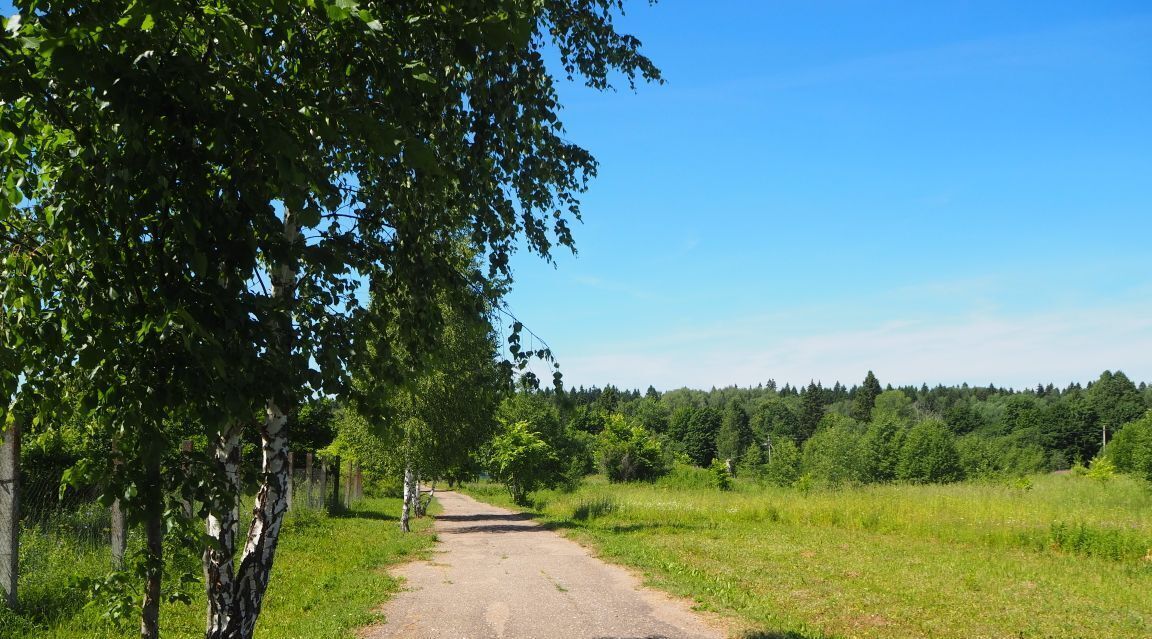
[(325, 583), (1061, 558), (593, 508)]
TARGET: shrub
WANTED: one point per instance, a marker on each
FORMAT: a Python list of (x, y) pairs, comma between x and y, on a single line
[(721, 478), (1101, 469), (1131, 448), (881, 446), (929, 455), (981, 457), (522, 461), (783, 469), (685, 476), (629, 452), (832, 457)]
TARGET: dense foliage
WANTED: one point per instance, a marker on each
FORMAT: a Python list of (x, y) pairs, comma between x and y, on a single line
[(817, 436), (193, 196)]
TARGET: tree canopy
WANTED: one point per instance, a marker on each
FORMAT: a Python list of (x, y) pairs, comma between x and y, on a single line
[(194, 192)]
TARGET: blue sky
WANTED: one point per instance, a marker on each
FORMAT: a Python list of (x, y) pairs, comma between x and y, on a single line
[(939, 192)]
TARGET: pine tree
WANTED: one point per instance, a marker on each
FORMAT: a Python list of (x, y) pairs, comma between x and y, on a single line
[(735, 434), (811, 410), (866, 398)]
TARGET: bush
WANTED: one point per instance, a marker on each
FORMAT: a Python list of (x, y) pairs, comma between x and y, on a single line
[(685, 476), (929, 455), (1131, 448), (783, 469), (990, 458), (721, 478), (1101, 469), (629, 452), (833, 457), (522, 461)]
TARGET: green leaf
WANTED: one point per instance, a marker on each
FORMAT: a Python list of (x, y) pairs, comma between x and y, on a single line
[(418, 155)]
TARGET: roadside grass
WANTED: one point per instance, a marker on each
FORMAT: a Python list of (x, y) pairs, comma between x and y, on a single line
[(330, 575), (1055, 556)]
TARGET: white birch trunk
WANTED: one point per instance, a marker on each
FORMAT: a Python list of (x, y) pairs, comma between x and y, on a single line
[(223, 525), (405, 511), (263, 536), (428, 502), (416, 495), (10, 508), (251, 577)]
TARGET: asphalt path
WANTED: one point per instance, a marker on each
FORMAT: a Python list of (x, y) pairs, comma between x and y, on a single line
[(498, 574)]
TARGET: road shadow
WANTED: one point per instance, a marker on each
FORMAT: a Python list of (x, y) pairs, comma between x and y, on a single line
[(486, 517), (491, 528)]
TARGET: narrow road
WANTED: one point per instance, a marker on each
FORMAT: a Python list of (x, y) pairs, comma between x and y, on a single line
[(498, 574)]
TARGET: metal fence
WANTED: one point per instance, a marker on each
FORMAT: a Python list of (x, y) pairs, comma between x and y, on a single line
[(56, 528), (324, 483)]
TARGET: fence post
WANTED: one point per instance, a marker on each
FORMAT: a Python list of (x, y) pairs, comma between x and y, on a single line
[(308, 479), (119, 538), (323, 500), (117, 527), (336, 482), (290, 469), (359, 482), (10, 509), (348, 486), (186, 450)]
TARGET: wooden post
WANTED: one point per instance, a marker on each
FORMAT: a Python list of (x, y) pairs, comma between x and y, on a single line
[(119, 536), (10, 509), (359, 482), (118, 531), (291, 459), (308, 480), (186, 450), (336, 483), (323, 500), (348, 486)]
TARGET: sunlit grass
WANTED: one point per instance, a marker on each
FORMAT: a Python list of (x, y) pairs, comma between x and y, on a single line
[(1056, 556), (330, 575)]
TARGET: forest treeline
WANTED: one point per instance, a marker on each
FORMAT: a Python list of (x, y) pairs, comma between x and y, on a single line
[(837, 435)]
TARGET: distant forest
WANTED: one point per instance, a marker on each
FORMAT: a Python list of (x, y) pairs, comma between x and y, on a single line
[(868, 432)]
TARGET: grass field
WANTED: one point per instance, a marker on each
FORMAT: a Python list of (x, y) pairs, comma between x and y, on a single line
[(330, 574), (1052, 556)]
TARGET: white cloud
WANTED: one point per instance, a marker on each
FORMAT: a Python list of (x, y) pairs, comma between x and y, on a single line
[(1016, 350)]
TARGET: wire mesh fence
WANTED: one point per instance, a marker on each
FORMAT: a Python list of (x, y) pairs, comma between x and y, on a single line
[(50, 511), (319, 483), (62, 530)]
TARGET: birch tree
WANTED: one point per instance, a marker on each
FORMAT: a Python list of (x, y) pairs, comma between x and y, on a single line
[(197, 189)]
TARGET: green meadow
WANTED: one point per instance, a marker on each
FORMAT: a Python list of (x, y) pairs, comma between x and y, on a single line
[(330, 574), (1044, 556)]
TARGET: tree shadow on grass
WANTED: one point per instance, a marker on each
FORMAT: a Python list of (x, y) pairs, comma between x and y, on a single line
[(782, 634), (569, 523), (364, 514)]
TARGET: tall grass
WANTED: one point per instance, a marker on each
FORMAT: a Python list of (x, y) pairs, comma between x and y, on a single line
[(328, 577), (1057, 556)]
